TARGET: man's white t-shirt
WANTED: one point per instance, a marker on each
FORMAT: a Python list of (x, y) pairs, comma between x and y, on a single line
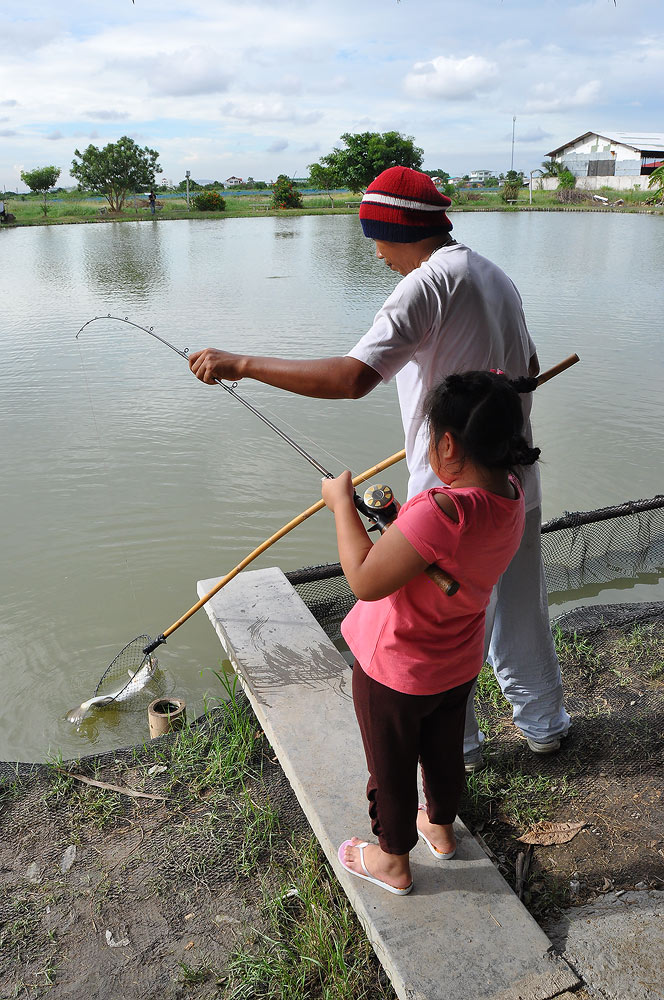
[(456, 312)]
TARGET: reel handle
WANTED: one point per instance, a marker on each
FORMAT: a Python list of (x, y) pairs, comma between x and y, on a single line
[(379, 505)]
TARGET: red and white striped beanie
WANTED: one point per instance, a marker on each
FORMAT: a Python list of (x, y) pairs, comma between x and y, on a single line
[(403, 206)]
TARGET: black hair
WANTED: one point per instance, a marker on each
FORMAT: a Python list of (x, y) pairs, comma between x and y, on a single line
[(482, 410)]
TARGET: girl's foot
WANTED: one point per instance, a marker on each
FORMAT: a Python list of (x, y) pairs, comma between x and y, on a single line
[(392, 869), (439, 838)]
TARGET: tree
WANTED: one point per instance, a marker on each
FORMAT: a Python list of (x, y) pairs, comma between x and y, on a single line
[(284, 195), (41, 179), (512, 186), (551, 168), (116, 170), (566, 180), (367, 154), (656, 180), (324, 178)]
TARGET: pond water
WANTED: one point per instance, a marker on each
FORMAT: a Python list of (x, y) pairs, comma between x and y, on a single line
[(125, 480)]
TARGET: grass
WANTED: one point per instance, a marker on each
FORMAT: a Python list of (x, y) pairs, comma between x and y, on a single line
[(575, 649), (512, 797), (74, 209), (313, 948)]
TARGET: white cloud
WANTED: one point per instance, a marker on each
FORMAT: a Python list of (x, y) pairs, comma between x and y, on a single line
[(277, 146), (268, 109), (106, 115), (450, 78), (551, 97)]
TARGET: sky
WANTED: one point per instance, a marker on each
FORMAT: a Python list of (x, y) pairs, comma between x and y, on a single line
[(257, 88)]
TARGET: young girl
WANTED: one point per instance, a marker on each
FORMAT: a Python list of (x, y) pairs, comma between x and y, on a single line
[(417, 652)]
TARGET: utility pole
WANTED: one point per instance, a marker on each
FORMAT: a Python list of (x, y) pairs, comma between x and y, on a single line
[(513, 124), (187, 174)]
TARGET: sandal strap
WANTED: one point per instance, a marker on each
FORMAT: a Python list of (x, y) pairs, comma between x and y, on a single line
[(360, 847)]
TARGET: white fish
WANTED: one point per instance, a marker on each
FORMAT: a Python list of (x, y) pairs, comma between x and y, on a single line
[(138, 681)]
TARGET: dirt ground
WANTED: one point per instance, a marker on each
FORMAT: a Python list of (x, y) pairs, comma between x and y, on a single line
[(108, 896), (159, 892), (608, 775)]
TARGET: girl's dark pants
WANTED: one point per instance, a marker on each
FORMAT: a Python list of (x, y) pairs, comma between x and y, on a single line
[(398, 730)]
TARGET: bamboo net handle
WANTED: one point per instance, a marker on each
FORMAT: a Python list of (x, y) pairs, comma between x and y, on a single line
[(557, 369), (368, 474)]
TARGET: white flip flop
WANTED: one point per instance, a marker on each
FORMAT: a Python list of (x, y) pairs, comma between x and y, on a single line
[(367, 877), (438, 855)]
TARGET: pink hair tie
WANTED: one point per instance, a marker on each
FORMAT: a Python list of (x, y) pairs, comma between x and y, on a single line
[(497, 371)]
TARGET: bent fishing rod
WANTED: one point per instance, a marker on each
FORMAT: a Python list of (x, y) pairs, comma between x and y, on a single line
[(379, 505)]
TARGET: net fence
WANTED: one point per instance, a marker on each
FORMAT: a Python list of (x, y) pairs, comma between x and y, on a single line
[(582, 549)]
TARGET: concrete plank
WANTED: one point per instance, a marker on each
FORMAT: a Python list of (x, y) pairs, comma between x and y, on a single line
[(462, 934)]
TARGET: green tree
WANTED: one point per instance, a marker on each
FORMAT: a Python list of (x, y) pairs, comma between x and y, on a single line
[(566, 180), (284, 195), (41, 179), (367, 154), (551, 168), (512, 186), (656, 180), (324, 178), (116, 170)]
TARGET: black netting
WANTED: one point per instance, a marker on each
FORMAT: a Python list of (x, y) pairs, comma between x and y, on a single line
[(579, 549), (598, 546)]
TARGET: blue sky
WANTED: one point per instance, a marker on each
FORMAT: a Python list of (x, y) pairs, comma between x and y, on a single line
[(262, 88)]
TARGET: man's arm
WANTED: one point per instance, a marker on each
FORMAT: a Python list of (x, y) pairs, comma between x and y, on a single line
[(324, 378), (533, 367)]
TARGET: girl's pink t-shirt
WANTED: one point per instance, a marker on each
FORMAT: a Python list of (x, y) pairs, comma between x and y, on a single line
[(417, 640)]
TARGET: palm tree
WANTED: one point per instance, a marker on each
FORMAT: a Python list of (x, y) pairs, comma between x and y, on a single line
[(551, 168), (657, 181)]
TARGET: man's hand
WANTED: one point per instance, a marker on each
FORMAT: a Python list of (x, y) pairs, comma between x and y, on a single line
[(336, 491), (210, 364)]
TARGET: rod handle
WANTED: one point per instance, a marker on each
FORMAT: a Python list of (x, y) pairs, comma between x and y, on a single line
[(443, 581), (557, 369)]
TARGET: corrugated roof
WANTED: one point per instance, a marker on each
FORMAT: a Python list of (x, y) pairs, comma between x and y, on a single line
[(650, 141)]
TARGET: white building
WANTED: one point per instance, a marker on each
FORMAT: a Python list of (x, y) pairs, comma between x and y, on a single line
[(233, 181), (479, 176), (620, 160)]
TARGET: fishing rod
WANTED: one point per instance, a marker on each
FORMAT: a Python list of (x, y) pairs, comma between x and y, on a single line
[(378, 503)]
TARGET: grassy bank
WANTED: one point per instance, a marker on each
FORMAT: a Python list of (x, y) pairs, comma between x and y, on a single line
[(72, 209), (213, 886)]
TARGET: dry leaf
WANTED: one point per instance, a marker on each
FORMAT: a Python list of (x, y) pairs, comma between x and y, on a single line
[(551, 833), (189, 945)]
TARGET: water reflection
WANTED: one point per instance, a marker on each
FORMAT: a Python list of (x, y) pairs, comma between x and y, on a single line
[(128, 258)]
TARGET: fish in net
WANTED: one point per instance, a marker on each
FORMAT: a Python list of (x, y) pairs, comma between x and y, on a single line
[(130, 678)]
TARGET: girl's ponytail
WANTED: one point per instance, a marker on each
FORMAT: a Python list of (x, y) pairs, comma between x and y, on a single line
[(483, 411)]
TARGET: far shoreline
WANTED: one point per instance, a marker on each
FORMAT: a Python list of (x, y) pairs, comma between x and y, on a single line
[(264, 211)]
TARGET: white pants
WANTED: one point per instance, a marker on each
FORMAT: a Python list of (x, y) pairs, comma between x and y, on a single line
[(519, 646)]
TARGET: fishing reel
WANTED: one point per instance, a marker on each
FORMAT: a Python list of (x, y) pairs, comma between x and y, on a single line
[(379, 505)]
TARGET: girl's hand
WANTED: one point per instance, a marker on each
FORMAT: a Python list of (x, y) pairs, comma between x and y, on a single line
[(337, 490)]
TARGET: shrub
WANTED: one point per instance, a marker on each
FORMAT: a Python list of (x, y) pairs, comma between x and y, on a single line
[(209, 201), (566, 180), (284, 195), (572, 196), (510, 191)]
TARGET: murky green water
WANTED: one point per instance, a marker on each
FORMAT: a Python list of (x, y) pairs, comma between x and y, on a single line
[(125, 480)]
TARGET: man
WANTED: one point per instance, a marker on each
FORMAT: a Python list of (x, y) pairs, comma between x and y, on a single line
[(453, 311)]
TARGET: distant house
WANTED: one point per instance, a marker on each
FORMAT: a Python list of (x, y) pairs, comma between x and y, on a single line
[(233, 181), (479, 176), (619, 160)]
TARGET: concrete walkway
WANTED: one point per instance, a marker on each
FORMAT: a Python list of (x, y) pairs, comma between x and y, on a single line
[(461, 934)]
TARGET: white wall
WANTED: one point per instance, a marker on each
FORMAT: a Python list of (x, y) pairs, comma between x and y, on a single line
[(597, 144), (595, 183)]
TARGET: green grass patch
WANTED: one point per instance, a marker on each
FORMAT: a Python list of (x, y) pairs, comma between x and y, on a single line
[(511, 797), (314, 946)]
